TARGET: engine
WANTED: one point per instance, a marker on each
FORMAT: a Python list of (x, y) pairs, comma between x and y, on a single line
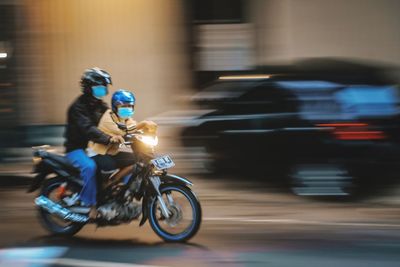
[(114, 211)]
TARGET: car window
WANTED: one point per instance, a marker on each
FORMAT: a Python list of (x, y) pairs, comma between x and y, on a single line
[(316, 98), (368, 101), (267, 98)]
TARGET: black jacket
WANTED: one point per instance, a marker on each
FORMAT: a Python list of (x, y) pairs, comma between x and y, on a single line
[(83, 116)]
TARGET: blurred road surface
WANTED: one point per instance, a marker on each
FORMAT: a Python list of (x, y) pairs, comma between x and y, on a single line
[(244, 225)]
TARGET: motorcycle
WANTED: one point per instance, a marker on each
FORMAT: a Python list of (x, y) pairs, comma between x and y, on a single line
[(166, 200)]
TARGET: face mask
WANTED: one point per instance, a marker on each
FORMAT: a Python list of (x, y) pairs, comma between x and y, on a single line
[(99, 91), (125, 112)]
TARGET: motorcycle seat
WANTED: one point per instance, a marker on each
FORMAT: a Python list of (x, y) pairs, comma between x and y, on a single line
[(64, 163)]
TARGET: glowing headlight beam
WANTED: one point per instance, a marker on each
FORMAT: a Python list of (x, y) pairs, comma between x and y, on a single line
[(148, 140), (3, 55)]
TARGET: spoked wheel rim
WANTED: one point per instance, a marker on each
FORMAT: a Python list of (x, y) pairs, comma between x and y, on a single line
[(184, 214)]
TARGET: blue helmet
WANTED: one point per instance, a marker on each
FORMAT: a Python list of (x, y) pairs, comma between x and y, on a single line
[(122, 97)]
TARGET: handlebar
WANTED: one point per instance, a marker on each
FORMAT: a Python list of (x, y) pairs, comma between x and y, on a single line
[(129, 136)]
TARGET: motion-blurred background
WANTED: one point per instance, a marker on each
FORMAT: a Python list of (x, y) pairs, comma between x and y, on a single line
[(299, 95), (188, 64)]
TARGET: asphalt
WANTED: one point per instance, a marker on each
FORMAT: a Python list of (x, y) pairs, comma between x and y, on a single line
[(244, 224)]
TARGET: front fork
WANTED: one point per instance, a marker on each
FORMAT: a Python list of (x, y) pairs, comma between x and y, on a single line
[(156, 182)]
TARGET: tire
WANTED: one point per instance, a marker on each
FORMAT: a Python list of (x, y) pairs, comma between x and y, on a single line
[(47, 219), (196, 209)]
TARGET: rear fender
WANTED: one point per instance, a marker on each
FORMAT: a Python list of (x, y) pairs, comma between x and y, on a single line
[(36, 182), (44, 168)]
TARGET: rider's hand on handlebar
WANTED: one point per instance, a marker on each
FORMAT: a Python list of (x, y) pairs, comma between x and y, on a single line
[(116, 139)]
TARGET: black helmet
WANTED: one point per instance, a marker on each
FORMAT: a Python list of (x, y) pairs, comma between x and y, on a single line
[(92, 77)]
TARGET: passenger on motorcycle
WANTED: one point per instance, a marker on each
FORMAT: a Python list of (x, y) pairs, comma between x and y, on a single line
[(108, 157), (82, 119)]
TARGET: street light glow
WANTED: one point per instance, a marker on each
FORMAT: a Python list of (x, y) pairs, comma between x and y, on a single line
[(245, 77)]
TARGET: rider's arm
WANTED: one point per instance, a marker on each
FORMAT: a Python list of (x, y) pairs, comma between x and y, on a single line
[(81, 117), (148, 127)]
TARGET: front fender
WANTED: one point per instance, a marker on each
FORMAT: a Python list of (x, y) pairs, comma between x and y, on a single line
[(147, 198), (146, 201), (172, 178), (44, 168)]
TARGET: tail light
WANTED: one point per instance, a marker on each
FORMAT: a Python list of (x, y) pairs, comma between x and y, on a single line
[(353, 131)]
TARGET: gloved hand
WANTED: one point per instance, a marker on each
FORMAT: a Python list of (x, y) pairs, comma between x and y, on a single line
[(116, 139), (148, 127)]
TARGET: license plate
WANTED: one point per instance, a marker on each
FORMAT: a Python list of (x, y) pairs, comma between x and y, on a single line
[(162, 163)]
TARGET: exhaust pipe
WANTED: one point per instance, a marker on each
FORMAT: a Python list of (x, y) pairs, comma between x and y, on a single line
[(60, 211)]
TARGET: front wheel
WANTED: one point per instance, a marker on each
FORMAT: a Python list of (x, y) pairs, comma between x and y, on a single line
[(185, 214)]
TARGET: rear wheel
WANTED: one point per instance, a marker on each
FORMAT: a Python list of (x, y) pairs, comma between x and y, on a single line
[(51, 222)]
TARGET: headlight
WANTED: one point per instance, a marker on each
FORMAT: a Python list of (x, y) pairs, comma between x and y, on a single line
[(148, 140)]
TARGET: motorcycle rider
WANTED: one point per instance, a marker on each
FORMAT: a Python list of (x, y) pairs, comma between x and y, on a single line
[(82, 119)]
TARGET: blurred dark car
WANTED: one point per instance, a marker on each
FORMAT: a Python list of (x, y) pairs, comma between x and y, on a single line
[(322, 129)]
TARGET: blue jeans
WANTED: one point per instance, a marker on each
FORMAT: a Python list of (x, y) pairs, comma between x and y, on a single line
[(87, 166)]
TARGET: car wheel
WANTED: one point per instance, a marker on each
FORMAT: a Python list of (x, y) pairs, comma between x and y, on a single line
[(321, 180)]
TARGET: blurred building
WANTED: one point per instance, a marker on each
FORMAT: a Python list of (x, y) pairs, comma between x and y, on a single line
[(158, 47), (141, 43), (235, 35), (8, 92)]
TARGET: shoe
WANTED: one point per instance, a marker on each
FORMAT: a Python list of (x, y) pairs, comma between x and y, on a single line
[(76, 205), (71, 200)]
